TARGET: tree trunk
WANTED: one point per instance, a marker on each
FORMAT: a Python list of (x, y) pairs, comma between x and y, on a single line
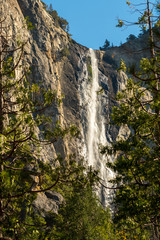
[(1, 123)]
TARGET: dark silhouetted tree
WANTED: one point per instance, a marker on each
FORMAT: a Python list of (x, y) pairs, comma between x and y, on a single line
[(105, 46)]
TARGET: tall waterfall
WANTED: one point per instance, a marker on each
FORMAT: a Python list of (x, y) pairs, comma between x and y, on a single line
[(93, 119), (92, 113)]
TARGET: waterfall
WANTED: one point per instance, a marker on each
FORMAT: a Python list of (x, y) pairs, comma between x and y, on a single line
[(93, 119), (92, 112)]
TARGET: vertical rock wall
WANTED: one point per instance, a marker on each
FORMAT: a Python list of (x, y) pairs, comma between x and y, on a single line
[(64, 66)]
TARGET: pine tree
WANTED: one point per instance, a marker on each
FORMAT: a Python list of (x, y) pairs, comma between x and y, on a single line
[(137, 165), (82, 216), (105, 46), (23, 174)]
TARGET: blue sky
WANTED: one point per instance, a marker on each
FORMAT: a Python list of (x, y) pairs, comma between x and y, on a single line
[(93, 21)]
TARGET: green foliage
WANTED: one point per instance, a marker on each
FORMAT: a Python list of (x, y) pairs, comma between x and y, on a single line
[(59, 21), (24, 131), (146, 14), (128, 3), (142, 32), (82, 217), (122, 66), (105, 46), (29, 24), (137, 163), (120, 23), (89, 68), (65, 52), (131, 37), (45, 6)]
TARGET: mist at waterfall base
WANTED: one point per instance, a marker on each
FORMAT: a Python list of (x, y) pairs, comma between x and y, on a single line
[(94, 123), (91, 22)]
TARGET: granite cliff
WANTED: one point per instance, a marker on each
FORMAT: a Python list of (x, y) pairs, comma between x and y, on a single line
[(63, 65)]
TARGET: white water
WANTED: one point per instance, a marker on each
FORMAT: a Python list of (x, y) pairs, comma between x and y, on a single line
[(93, 119), (92, 112)]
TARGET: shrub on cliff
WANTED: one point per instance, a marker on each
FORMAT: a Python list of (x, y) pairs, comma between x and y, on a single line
[(59, 21)]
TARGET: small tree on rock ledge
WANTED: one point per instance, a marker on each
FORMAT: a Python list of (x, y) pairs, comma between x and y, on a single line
[(105, 46)]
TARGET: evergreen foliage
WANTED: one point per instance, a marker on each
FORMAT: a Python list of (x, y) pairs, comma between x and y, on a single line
[(131, 37), (137, 165), (59, 21), (82, 216), (105, 46), (23, 174)]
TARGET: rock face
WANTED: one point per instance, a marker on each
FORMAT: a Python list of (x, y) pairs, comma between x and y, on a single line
[(64, 66), (48, 202)]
